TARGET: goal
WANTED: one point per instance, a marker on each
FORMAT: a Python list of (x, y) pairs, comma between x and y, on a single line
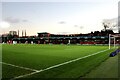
[(114, 40)]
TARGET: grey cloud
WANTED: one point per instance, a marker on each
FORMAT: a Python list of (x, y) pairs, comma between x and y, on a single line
[(62, 22), (24, 20), (12, 20), (75, 25), (111, 20), (15, 20), (81, 27)]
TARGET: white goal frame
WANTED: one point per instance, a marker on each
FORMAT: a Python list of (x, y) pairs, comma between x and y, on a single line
[(114, 37)]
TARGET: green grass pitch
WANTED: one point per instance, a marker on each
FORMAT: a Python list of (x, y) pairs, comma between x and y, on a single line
[(40, 57)]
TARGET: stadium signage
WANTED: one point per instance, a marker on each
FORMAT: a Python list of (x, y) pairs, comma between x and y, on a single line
[(114, 53)]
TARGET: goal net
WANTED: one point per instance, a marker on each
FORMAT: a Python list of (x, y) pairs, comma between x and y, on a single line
[(114, 40)]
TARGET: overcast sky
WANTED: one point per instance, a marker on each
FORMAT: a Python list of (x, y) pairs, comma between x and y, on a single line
[(81, 16)]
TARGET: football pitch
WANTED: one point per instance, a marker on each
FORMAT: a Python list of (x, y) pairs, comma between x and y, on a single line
[(50, 61)]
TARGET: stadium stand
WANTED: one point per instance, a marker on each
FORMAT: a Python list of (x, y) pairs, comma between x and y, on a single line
[(95, 37)]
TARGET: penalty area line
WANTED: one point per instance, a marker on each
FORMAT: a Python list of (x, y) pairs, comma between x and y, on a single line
[(25, 68), (58, 65)]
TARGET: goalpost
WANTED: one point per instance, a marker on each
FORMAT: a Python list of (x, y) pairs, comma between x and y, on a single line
[(114, 40)]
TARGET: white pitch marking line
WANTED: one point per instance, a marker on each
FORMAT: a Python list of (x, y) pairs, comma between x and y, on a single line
[(26, 75), (58, 65), (19, 66)]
